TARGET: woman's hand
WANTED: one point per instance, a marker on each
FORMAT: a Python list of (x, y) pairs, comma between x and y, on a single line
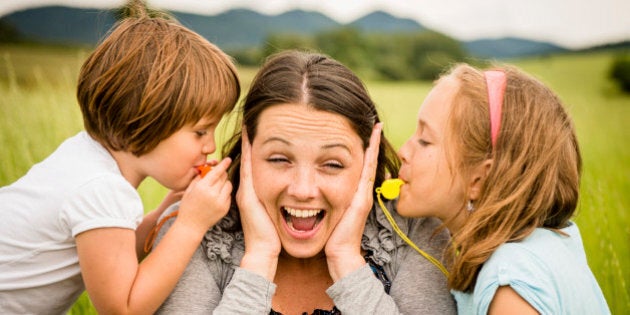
[(343, 249), (262, 244)]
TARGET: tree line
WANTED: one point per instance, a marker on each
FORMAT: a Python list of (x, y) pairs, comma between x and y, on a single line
[(419, 55)]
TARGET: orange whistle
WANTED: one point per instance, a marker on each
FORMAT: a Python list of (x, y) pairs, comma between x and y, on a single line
[(204, 169)]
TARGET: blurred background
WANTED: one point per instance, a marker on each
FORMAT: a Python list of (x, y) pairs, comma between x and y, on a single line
[(581, 49)]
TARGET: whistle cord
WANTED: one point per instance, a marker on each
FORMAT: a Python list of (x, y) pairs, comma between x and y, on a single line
[(405, 238), (148, 242)]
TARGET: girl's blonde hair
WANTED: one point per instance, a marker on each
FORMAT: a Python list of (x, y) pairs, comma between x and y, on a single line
[(533, 180)]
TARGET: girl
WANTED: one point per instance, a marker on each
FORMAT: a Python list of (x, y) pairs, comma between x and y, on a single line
[(495, 157)]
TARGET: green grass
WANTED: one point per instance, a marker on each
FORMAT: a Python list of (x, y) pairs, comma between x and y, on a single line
[(38, 110)]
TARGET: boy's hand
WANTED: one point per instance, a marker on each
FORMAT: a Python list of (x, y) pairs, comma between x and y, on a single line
[(207, 199)]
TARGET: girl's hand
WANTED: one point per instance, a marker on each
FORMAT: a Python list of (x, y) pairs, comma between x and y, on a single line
[(207, 199), (343, 249), (262, 244)]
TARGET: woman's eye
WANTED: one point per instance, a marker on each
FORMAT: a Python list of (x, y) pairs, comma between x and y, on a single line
[(335, 165), (201, 133), (277, 160)]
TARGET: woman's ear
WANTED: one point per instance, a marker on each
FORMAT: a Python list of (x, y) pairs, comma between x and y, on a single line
[(478, 178)]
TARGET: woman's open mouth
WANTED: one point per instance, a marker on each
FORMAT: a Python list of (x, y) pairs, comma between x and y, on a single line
[(302, 220)]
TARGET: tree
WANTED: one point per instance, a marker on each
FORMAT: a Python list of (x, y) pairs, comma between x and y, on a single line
[(432, 52), (620, 71), (8, 33), (278, 42)]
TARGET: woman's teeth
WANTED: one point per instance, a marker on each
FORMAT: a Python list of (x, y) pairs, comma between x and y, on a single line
[(302, 213), (302, 219)]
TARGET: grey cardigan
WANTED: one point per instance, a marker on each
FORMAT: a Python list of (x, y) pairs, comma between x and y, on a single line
[(213, 282)]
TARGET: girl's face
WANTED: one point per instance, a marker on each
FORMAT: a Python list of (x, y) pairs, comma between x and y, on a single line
[(306, 166), (431, 186), (173, 162)]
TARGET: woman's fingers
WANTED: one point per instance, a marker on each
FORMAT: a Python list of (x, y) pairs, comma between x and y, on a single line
[(363, 197), (343, 250), (370, 160)]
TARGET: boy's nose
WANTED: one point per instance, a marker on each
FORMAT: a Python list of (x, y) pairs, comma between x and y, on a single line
[(208, 148)]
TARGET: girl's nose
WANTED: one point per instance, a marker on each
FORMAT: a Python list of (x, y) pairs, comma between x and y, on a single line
[(403, 151)]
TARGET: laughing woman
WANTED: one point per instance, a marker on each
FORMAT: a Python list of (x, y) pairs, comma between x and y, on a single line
[(302, 236)]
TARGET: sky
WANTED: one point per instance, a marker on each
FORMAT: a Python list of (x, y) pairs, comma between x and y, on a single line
[(569, 23)]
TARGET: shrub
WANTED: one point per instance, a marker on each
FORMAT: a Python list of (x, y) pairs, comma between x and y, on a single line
[(620, 71)]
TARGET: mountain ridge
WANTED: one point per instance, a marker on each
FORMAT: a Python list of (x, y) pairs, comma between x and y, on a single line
[(242, 28)]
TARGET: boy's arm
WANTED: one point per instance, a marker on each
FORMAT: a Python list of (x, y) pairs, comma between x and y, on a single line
[(114, 279), (151, 219)]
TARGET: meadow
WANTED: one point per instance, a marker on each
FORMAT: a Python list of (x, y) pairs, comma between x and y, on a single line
[(38, 110)]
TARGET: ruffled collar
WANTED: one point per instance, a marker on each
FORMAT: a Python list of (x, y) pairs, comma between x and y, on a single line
[(226, 246)]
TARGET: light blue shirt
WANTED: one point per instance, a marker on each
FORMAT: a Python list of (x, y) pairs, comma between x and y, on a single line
[(546, 269)]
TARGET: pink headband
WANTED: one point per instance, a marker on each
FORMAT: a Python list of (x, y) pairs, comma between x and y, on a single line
[(495, 81)]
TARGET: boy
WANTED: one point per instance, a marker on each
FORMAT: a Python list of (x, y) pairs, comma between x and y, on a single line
[(151, 95)]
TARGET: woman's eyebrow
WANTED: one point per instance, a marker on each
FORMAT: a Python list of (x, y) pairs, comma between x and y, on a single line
[(273, 139), (336, 145), (324, 147)]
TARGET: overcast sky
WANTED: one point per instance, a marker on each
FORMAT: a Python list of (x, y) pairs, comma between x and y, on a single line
[(570, 23)]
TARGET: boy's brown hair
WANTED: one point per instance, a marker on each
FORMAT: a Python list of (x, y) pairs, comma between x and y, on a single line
[(149, 78)]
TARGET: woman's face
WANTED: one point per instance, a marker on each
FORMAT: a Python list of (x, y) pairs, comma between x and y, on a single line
[(306, 166), (431, 187)]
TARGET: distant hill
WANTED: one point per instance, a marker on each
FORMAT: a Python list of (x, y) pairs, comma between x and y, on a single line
[(510, 47), (244, 28), (622, 45), (241, 28), (56, 24), (380, 22)]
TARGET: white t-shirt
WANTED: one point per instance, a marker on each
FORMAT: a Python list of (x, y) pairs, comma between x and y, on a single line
[(77, 188)]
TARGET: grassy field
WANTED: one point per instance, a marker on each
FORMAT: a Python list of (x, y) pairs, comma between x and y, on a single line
[(38, 111)]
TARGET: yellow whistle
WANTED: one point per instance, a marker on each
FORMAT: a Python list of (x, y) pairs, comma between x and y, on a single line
[(390, 188)]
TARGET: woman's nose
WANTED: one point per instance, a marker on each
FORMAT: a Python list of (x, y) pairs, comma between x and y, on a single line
[(304, 184)]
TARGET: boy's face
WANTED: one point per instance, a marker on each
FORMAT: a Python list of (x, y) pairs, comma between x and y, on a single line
[(173, 162)]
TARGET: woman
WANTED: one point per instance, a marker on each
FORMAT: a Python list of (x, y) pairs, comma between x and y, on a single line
[(305, 237), (496, 158)]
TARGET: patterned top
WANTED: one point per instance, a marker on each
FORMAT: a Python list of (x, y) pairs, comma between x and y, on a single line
[(386, 284), (379, 273)]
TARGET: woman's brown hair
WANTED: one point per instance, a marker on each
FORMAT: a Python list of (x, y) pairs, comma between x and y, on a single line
[(149, 78), (317, 81), (533, 181)]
